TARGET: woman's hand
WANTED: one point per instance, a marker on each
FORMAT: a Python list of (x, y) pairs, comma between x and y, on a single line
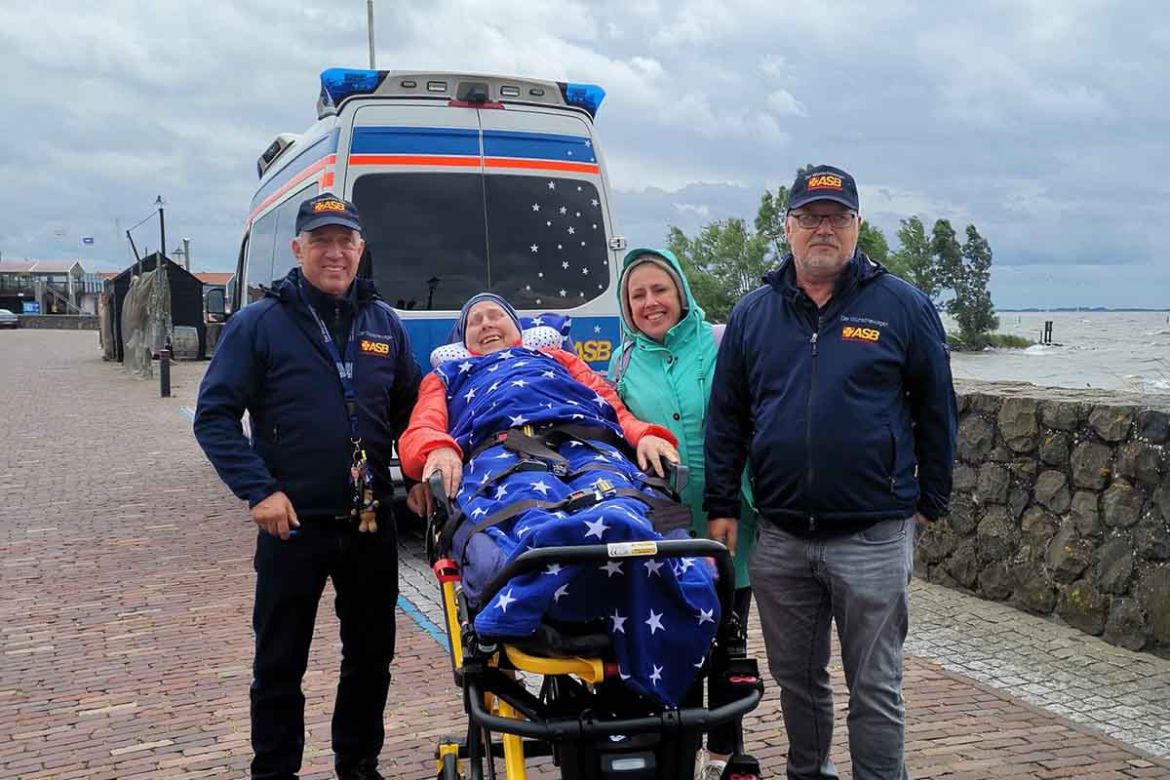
[(419, 500), (447, 462), (651, 451)]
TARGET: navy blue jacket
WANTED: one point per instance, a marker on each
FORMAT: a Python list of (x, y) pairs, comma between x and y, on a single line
[(848, 413), (271, 361)]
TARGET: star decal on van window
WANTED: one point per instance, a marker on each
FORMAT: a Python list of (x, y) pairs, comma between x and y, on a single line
[(557, 268)]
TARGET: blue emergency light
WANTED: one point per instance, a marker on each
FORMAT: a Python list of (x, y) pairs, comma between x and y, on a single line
[(586, 96), (339, 83)]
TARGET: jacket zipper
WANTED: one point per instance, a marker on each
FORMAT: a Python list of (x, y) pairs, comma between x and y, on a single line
[(812, 518)]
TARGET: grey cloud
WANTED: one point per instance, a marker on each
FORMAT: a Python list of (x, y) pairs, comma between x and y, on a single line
[(1041, 122)]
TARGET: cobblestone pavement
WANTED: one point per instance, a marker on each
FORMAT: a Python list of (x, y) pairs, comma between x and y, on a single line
[(1122, 693), (126, 581)]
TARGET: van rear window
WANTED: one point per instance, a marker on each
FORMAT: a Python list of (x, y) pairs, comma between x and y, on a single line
[(436, 239)]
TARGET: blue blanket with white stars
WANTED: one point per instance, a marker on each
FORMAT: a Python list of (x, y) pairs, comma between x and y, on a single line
[(661, 615)]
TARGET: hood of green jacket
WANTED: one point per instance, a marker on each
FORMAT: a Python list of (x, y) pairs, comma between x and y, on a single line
[(693, 319)]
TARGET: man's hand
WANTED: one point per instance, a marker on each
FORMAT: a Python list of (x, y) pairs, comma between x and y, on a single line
[(446, 461), (724, 529), (276, 515), (922, 520), (651, 451), (419, 500)]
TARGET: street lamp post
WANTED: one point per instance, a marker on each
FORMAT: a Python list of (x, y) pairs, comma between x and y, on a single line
[(370, 29), (162, 232)]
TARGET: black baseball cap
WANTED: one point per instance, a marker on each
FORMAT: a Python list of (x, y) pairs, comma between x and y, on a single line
[(824, 182), (327, 209)]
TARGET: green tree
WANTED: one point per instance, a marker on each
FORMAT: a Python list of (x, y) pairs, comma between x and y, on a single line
[(973, 308), (946, 254), (913, 260), (770, 219), (871, 241), (770, 222), (966, 271), (722, 263)]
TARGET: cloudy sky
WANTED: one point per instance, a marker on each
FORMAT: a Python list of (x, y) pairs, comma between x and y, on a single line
[(1044, 122)]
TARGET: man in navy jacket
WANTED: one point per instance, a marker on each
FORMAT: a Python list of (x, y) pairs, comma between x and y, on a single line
[(325, 371), (833, 382)]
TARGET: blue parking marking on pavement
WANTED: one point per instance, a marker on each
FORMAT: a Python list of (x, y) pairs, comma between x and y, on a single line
[(187, 412), (423, 621)]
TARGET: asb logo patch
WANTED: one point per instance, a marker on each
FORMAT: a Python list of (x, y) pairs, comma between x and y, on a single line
[(852, 333), (328, 205), (379, 348), (825, 181)]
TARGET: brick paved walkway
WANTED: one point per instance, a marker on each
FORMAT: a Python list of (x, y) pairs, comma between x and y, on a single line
[(126, 581)]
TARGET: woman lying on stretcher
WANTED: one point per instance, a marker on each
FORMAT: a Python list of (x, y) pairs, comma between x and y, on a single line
[(534, 447)]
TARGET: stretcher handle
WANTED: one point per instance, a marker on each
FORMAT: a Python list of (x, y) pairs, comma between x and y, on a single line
[(435, 482), (557, 729)]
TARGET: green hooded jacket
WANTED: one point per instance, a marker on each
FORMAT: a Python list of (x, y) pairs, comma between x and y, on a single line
[(669, 384)]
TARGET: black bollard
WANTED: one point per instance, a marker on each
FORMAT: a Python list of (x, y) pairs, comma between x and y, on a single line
[(164, 371)]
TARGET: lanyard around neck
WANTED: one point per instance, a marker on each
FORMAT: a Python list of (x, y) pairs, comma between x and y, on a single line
[(344, 366)]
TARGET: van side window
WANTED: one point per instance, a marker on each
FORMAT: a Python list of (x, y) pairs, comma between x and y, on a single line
[(286, 220), (258, 269)]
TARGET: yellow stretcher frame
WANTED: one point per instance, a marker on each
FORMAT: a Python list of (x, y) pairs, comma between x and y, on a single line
[(589, 670)]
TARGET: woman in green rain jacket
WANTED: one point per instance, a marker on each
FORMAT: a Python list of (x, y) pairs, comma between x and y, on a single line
[(663, 373)]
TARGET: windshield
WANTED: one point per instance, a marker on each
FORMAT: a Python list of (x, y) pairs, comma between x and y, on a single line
[(436, 239)]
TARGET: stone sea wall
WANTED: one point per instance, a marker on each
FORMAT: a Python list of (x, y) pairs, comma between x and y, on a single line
[(1062, 507)]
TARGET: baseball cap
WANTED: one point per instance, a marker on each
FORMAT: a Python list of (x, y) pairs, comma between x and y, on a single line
[(327, 209), (824, 182)]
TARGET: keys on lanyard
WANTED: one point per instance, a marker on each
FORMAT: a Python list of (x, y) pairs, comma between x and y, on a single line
[(361, 483)]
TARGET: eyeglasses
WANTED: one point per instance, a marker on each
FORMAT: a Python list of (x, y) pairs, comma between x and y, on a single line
[(813, 221)]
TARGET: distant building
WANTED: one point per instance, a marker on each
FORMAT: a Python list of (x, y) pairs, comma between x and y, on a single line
[(48, 287)]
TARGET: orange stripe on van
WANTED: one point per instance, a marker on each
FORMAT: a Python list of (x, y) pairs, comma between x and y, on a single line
[(541, 165), (458, 161), (327, 180), (311, 170)]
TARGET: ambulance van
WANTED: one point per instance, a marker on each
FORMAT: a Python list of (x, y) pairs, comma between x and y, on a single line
[(465, 183)]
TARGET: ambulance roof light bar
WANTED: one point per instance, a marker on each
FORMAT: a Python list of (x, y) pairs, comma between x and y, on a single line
[(337, 84)]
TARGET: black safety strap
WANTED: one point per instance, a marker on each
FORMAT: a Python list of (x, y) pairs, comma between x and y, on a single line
[(525, 464), (579, 500), (546, 439), (524, 443)]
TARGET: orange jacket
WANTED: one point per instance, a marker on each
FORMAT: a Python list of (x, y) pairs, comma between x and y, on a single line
[(429, 429)]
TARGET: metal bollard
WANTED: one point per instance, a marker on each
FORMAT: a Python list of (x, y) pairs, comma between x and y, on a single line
[(164, 372)]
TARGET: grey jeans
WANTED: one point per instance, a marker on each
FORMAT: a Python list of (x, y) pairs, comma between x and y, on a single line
[(861, 582)]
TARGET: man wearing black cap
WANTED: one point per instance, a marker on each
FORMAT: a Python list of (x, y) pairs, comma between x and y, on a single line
[(835, 379), (325, 371)]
